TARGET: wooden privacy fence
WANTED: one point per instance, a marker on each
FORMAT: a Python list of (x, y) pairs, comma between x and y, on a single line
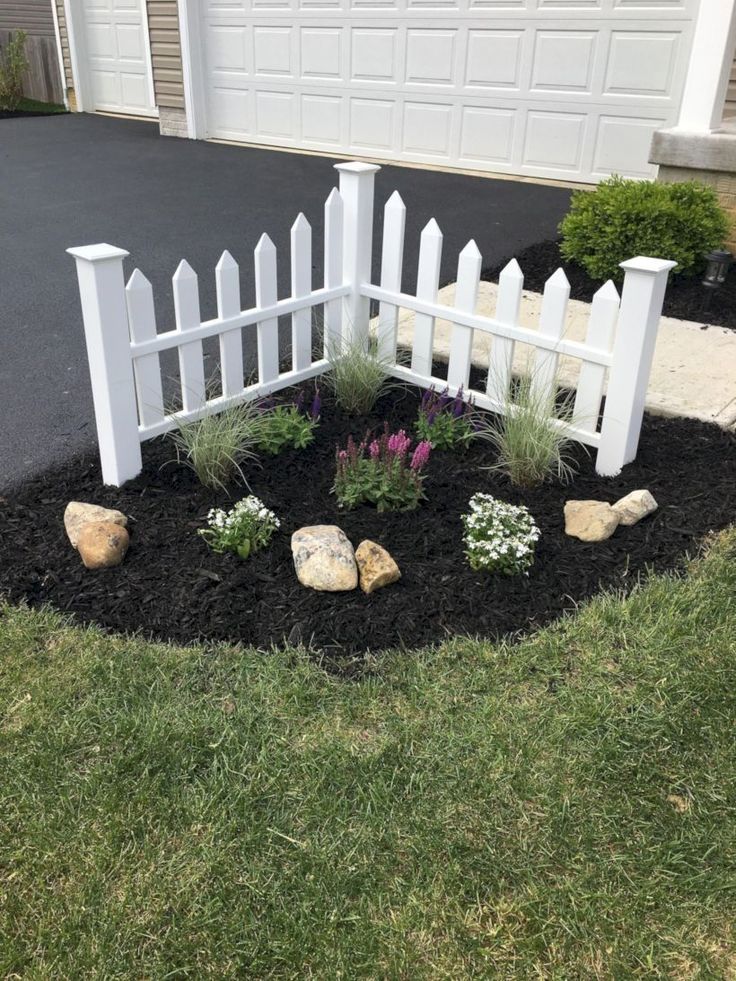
[(123, 343)]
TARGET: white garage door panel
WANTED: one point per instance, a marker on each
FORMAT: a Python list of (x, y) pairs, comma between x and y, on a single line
[(116, 56), (571, 89)]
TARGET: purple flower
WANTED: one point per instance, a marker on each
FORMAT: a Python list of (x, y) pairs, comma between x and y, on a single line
[(458, 406), (431, 416), (399, 443), (300, 402), (374, 449), (420, 455), (445, 398), (316, 407)]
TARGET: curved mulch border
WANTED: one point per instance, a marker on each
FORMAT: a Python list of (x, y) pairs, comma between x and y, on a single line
[(172, 586), (685, 298)]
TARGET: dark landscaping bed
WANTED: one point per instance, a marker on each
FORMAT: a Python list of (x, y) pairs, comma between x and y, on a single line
[(172, 586), (685, 298), (31, 107)]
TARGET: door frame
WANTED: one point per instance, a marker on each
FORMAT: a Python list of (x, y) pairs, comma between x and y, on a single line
[(74, 11)]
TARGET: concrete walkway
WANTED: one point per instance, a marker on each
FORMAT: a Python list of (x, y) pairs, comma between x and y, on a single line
[(694, 370)]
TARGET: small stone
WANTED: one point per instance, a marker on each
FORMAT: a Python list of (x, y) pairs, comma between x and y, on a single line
[(635, 506), (78, 514), (376, 566), (324, 558), (102, 544), (590, 521)]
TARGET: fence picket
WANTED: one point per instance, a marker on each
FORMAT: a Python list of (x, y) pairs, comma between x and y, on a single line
[(466, 297), (508, 304), (392, 260), (333, 270), (301, 285), (266, 295), (227, 279), (428, 275), (146, 370), (600, 334), (191, 361), (552, 325)]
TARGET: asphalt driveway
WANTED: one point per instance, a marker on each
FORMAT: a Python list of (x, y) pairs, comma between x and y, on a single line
[(80, 179)]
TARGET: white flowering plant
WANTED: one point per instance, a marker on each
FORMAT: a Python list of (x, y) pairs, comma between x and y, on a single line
[(499, 537), (244, 529)]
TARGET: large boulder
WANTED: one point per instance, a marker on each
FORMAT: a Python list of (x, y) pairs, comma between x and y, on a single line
[(324, 558), (102, 544), (590, 521), (78, 514), (376, 566), (635, 506)]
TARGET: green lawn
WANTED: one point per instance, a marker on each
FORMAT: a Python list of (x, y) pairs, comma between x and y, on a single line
[(561, 808)]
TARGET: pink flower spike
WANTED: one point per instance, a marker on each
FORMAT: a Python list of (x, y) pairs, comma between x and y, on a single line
[(374, 449), (421, 455), (399, 443)]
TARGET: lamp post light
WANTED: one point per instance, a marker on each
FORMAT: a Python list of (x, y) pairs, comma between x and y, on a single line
[(718, 262)]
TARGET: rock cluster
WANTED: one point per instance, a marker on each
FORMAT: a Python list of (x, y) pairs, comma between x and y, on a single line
[(595, 521), (99, 534), (325, 560)]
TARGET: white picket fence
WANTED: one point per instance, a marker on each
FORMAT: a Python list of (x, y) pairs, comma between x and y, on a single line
[(124, 345)]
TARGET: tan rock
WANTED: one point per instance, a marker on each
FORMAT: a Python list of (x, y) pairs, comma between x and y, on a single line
[(376, 567), (78, 514), (635, 506), (102, 544), (324, 558), (590, 521)]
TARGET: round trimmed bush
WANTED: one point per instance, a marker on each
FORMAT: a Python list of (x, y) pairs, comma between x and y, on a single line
[(624, 218)]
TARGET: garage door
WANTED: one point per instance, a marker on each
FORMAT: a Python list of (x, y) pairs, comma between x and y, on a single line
[(567, 89), (116, 49)]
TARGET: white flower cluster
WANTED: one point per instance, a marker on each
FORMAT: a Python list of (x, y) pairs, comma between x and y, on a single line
[(251, 508), (499, 537), (243, 529)]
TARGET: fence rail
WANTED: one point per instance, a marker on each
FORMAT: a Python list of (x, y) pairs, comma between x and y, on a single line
[(124, 344)]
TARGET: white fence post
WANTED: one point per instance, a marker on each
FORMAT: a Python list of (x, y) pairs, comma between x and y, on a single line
[(636, 334), (356, 190), (105, 315)]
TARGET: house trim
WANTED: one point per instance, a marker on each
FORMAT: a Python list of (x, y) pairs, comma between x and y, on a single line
[(59, 52), (190, 38)]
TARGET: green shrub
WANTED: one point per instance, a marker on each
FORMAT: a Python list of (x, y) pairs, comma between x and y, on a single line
[(13, 64), (625, 218)]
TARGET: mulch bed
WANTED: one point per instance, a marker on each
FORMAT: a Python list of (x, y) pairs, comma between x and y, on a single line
[(685, 298), (171, 586), (27, 113)]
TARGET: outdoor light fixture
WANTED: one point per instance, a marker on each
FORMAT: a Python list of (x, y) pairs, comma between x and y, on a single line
[(716, 270)]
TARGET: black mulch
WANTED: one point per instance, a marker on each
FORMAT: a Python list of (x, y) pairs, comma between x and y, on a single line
[(685, 298), (172, 586)]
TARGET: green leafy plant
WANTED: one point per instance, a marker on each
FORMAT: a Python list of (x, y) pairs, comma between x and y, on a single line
[(499, 537), (13, 65), (625, 218), (216, 446), (384, 472), (289, 426), (358, 375), (447, 423), (532, 446), (244, 529)]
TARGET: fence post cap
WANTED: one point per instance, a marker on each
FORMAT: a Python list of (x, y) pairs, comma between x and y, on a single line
[(642, 263), (357, 167), (96, 253)]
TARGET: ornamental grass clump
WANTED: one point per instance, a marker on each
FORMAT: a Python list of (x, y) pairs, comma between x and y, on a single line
[(532, 446), (358, 375), (244, 529), (499, 537), (13, 65), (385, 472), (216, 446), (447, 423), (292, 426)]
